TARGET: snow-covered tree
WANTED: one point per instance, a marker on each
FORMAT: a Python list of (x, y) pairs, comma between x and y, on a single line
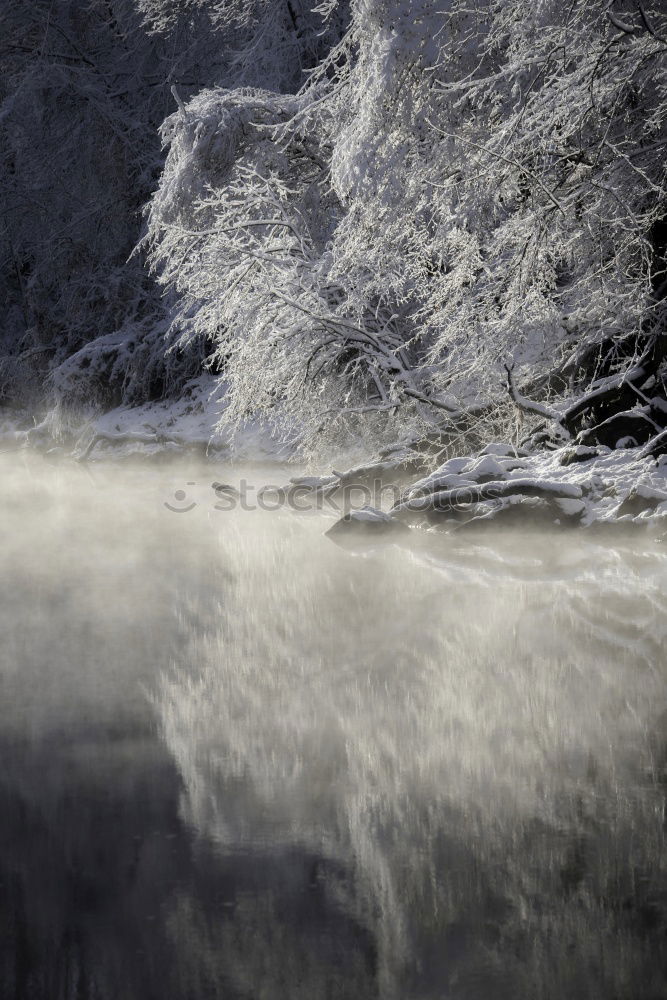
[(261, 43), (457, 190), (378, 217), (83, 90), (77, 161)]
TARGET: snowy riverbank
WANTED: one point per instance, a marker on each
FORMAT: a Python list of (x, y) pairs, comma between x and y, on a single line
[(501, 484), (154, 429)]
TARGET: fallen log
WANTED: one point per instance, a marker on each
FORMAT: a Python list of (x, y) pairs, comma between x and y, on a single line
[(656, 446), (465, 496), (635, 425), (142, 437)]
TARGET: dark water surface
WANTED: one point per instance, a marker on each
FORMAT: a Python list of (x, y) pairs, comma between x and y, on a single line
[(238, 761)]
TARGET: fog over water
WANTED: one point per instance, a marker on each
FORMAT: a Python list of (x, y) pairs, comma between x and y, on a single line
[(240, 761)]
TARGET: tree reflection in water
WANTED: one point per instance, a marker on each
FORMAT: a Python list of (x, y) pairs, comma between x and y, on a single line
[(240, 762), (477, 753)]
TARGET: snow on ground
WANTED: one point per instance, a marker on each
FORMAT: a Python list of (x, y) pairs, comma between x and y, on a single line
[(568, 486), (564, 485), (190, 422), (189, 419)]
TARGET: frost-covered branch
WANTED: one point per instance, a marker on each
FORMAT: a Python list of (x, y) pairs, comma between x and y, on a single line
[(450, 188)]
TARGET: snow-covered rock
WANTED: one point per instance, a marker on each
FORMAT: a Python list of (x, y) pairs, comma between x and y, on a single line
[(569, 485), (367, 522)]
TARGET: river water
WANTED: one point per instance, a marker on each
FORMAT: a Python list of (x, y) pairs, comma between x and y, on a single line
[(240, 761)]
